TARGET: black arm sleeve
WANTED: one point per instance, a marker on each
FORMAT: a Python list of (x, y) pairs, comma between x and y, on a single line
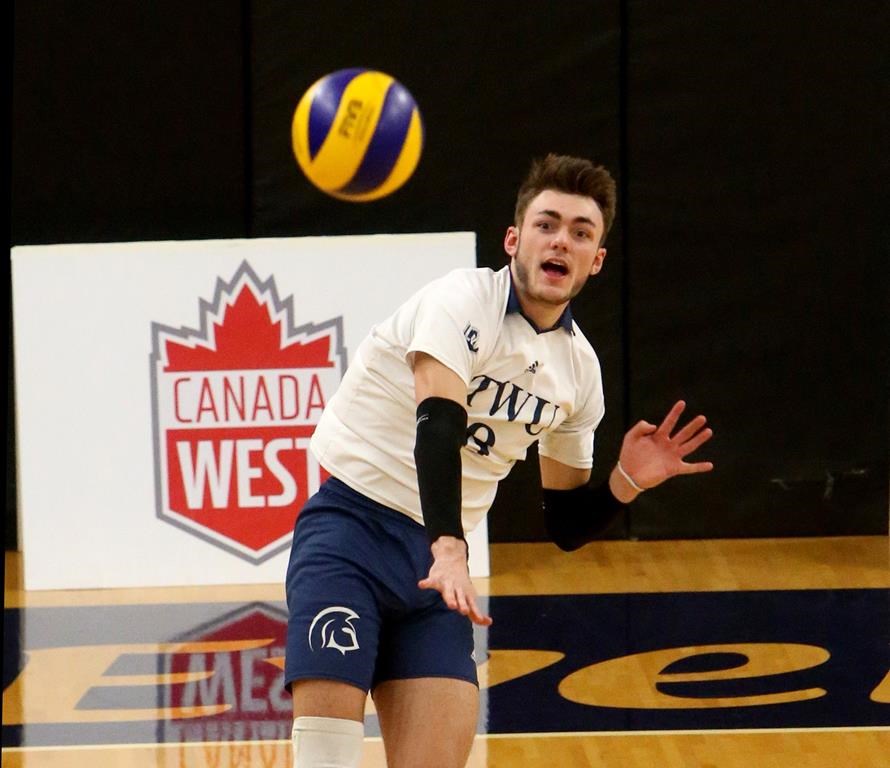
[(441, 432), (576, 517)]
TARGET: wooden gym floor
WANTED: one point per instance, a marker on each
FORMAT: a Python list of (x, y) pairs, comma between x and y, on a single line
[(718, 654)]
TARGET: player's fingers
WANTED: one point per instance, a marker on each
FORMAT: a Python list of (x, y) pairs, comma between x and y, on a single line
[(449, 597), (461, 600), (430, 583), (689, 430), (670, 421), (477, 617), (696, 442), (699, 466), (642, 428), (481, 619)]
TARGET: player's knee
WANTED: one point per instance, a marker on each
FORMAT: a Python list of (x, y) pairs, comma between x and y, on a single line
[(327, 742)]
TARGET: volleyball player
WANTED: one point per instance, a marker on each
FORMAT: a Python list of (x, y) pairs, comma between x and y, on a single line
[(441, 400)]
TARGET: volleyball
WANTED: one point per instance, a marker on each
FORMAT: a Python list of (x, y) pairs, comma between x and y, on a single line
[(357, 134)]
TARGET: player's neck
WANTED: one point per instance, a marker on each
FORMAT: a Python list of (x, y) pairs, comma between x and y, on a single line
[(543, 315)]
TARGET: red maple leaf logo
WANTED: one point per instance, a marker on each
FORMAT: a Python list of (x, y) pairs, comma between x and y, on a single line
[(246, 339)]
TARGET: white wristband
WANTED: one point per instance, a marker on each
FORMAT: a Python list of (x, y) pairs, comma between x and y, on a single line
[(630, 481)]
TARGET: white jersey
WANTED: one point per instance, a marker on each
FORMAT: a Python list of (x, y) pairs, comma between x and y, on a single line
[(522, 386)]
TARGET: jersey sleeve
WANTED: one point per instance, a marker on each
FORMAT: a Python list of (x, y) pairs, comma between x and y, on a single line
[(450, 325), (572, 441)]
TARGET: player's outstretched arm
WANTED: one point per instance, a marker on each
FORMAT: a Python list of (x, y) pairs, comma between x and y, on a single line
[(576, 513), (441, 431), (651, 454)]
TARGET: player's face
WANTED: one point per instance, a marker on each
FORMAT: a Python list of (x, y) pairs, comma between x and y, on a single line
[(555, 251)]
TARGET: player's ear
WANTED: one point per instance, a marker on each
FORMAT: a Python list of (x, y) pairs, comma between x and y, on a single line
[(598, 261), (511, 241)]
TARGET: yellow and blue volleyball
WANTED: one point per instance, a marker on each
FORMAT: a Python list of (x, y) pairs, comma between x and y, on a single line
[(357, 134)]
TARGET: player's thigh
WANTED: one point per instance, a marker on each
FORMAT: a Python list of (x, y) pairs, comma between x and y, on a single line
[(328, 698), (427, 722)]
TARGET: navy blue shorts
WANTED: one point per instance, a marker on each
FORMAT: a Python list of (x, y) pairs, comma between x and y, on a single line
[(356, 613)]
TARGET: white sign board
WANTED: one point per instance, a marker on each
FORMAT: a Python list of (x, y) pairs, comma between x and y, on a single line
[(166, 392)]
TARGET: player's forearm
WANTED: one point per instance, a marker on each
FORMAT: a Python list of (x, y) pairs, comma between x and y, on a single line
[(580, 515), (441, 431)]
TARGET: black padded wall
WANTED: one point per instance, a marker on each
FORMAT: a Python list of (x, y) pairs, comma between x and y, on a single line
[(758, 241), (128, 121)]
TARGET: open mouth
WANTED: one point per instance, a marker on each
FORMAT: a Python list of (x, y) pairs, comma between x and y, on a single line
[(555, 268)]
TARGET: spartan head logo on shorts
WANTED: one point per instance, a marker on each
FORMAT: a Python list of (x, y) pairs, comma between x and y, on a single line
[(234, 403), (333, 628)]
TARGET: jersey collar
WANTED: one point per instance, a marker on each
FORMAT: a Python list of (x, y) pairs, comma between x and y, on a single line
[(513, 307)]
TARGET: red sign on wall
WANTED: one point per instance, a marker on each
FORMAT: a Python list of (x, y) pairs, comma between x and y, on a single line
[(235, 402)]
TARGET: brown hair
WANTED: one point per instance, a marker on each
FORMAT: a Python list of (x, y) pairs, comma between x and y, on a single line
[(573, 175)]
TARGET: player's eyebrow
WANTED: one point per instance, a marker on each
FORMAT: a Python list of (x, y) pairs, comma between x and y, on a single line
[(577, 220)]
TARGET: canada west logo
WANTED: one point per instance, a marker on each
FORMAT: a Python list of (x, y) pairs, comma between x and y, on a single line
[(234, 403), (330, 624)]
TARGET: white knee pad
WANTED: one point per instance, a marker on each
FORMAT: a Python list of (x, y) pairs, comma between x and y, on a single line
[(327, 742)]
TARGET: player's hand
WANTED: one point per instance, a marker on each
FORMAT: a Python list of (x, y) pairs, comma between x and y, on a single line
[(652, 454), (449, 575)]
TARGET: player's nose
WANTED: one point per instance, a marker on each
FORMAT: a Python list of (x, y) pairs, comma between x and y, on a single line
[(560, 239)]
